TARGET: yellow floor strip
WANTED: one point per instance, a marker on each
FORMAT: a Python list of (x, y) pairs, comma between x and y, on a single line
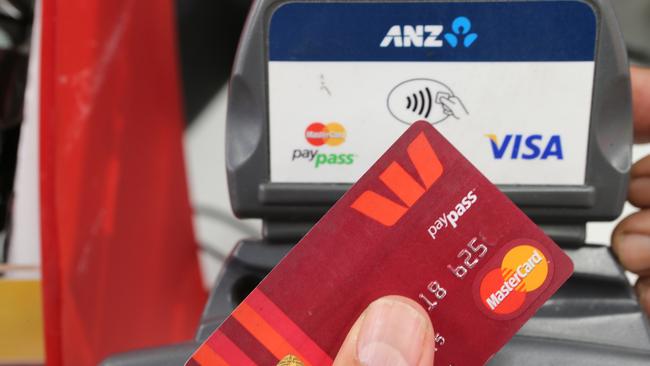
[(21, 322)]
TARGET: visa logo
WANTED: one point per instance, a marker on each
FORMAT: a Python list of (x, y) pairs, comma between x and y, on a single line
[(413, 36), (531, 147)]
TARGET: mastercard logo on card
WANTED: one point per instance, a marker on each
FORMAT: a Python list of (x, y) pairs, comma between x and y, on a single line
[(514, 280)]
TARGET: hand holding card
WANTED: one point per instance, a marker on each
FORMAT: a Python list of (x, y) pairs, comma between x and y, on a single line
[(394, 331), (423, 224)]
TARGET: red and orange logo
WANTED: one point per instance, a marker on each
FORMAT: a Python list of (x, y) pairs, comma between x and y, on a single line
[(331, 134), (405, 187), (524, 271)]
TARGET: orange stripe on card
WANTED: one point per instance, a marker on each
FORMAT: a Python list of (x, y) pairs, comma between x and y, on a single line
[(205, 356), (288, 329), (402, 184), (264, 333), (425, 160)]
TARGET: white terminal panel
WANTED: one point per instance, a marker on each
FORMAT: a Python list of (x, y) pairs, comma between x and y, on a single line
[(509, 84)]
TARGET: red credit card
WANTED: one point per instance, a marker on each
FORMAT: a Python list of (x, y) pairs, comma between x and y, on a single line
[(422, 223)]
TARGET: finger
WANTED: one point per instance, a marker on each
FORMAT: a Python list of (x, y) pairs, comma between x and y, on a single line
[(641, 168), (641, 103), (391, 331), (643, 293), (639, 192), (631, 242)]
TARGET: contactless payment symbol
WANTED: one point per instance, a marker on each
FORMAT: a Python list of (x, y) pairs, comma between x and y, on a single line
[(427, 99), (524, 271), (331, 134)]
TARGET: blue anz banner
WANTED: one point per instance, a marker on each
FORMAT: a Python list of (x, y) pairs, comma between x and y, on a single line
[(472, 31)]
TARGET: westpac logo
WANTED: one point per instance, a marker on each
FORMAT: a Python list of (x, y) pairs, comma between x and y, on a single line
[(526, 147), (428, 35), (402, 184)]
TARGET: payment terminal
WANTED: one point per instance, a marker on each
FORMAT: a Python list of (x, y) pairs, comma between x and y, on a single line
[(536, 94)]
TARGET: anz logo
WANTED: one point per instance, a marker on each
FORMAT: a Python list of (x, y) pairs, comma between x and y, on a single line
[(430, 35), (526, 147)]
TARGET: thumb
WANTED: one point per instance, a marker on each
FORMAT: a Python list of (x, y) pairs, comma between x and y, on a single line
[(392, 331)]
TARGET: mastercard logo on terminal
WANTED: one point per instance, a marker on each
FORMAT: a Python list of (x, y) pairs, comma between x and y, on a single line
[(331, 134)]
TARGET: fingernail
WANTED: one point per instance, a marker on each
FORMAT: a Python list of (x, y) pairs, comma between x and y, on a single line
[(392, 334), (634, 252)]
